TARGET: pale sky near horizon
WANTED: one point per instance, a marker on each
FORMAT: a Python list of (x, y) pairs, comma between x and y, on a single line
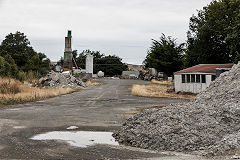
[(124, 28)]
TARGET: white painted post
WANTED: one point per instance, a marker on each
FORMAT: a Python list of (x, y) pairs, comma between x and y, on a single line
[(89, 63)]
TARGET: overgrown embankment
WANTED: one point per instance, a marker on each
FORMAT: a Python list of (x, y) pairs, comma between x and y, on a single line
[(13, 91), (159, 89)]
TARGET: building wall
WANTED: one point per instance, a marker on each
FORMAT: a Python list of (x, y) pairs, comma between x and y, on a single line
[(190, 87)]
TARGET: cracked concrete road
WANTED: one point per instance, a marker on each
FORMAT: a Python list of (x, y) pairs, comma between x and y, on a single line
[(101, 108)]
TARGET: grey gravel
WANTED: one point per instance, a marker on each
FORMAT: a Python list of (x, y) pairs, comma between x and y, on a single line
[(208, 125)]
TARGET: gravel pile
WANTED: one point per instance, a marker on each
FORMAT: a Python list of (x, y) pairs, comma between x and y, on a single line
[(62, 80), (209, 125)]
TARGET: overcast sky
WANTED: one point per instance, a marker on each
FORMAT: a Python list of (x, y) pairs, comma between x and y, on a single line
[(121, 27)]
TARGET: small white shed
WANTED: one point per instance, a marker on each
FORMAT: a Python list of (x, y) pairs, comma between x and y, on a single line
[(197, 78)]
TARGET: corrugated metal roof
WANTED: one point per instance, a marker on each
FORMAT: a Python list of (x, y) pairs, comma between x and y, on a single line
[(204, 68)]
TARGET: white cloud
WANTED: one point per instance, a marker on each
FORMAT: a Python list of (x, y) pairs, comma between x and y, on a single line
[(123, 27)]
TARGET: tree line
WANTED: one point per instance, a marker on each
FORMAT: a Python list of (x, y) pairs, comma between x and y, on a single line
[(19, 60), (111, 65), (213, 38)]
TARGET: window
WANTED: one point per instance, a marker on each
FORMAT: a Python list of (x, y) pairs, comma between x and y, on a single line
[(183, 78), (213, 77), (198, 78), (193, 78), (188, 78), (203, 78)]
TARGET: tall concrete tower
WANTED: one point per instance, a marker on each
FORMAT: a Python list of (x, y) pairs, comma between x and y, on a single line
[(67, 63)]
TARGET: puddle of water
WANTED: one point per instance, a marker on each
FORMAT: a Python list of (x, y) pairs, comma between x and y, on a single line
[(19, 127), (72, 128), (14, 109), (79, 138), (92, 107)]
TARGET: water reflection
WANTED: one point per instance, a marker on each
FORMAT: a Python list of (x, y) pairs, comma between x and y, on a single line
[(79, 138)]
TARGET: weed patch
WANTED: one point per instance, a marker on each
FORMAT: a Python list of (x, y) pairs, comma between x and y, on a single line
[(13, 92), (157, 91)]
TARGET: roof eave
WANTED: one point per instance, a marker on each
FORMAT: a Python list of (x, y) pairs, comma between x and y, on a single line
[(212, 73)]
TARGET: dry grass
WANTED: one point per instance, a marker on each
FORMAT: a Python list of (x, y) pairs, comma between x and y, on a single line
[(92, 83), (163, 82), (13, 92), (9, 86), (158, 91)]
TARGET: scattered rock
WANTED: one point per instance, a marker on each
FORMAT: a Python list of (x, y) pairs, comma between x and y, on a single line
[(63, 80), (209, 124), (171, 90), (236, 157), (72, 128), (100, 74)]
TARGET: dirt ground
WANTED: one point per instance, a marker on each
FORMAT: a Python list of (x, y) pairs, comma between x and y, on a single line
[(98, 108)]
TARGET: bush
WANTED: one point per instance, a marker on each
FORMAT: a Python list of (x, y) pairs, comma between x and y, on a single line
[(30, 76), (22, 76), (2, 66), (8, 68), (17, 54)]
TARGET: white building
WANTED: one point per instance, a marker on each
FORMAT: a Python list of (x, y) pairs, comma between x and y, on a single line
[(197, 78)]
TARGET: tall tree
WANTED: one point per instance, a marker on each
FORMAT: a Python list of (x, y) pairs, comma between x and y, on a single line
[(214, 34), (111, 65), (44, 65), (18, 47), (16, 50), (165, 55)]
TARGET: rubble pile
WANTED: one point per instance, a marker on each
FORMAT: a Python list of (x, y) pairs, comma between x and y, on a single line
[(151, 73), (62, 80), (209, 124)]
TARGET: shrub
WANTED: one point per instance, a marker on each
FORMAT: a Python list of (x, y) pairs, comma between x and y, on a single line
[(22, 76), (30, 76)]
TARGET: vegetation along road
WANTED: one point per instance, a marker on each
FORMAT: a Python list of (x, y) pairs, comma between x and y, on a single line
[(101, 108)]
